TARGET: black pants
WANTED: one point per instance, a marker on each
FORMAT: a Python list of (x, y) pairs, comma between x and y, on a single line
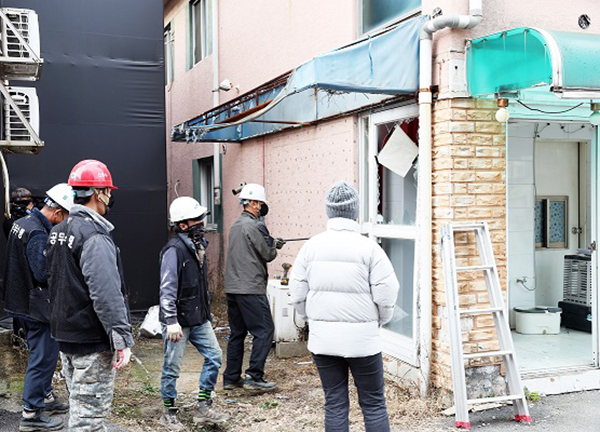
[(248, 313), (368, 378), (43, 356)]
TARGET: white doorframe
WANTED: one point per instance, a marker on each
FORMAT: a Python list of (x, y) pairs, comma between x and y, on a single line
[(394, 344)]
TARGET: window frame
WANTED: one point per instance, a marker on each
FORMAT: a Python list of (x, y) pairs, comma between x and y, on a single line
[(203, 29), (394, 344), (204, 189), (169, 54), (386, 24)]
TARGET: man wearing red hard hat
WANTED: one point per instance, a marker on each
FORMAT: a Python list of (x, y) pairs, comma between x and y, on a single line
[(90, 315)]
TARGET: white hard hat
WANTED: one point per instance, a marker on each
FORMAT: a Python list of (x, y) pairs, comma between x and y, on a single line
[(184, 208), (253, 192), (61, 194)]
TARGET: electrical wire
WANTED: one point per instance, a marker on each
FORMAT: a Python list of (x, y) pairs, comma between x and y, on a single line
[(549, 112)]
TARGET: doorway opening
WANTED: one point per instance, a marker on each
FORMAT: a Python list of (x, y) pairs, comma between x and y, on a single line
[(550, 279)]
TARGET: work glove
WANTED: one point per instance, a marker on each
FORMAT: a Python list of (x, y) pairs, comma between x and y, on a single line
[(279, 242), (174, 332), (123, 357)]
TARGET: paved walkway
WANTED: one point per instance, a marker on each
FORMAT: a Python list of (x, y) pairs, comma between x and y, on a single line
[(562, 413)]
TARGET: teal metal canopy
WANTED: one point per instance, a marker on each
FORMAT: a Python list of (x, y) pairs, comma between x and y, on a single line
[(522, 58)]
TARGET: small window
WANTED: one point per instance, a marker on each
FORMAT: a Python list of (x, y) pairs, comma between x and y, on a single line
[(202, 29), (552, 222), (378, 13), (169, 55), (203, 173)]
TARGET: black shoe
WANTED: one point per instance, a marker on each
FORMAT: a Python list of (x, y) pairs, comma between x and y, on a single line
[(258, 384), (235, 385), (54, 405), (40, 422)]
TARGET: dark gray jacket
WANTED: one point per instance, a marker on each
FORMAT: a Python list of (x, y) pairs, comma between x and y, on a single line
[(251, 247), (85, 278)]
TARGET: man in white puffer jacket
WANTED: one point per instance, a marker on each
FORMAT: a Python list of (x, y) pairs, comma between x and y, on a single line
[(345, 286)]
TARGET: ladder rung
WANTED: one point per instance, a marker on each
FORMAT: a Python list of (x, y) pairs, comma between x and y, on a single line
[(487, 354), (472, 227), (473, 268), (494, 399), (480, 311)]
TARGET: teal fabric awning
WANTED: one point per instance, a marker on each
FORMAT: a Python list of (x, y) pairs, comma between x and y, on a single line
[(366, 72), (518, 59)]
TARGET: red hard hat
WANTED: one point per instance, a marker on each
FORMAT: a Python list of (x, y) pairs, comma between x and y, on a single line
[(91, 173)]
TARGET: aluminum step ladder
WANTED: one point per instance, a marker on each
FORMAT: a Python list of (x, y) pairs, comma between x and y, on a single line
[(516, 393)]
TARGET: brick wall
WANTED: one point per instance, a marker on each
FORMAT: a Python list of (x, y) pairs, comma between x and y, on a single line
[(468, 186)]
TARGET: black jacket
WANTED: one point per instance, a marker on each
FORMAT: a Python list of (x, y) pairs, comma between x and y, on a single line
[(22, 293), (85, 277), (184, 296)]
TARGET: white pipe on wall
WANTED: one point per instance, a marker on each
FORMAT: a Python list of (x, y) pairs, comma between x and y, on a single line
[(425, 173), (216, 102)]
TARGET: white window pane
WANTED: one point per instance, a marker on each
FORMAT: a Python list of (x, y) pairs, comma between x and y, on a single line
[(197, 30), (208, 27), (402, 256)]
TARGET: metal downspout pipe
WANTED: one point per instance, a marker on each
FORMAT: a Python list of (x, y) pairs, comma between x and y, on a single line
[(425, 180), (216, 100)]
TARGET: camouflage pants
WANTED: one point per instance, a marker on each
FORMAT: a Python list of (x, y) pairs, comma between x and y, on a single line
[(90, 381)]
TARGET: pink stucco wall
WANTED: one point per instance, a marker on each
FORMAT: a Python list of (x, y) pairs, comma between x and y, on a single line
[(259, 40)]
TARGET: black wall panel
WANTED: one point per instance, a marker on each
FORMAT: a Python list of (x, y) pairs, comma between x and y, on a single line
[(101, 97)]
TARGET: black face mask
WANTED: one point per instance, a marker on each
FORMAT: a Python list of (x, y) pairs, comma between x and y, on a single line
[(264, 210), (111, 202), (196, 235)]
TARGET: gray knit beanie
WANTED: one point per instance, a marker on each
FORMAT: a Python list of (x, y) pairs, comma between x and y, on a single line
[(342, 201)]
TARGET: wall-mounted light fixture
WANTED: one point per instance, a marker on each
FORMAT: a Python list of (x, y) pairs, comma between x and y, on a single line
[(226, 86), (502, 114), (595, 116)]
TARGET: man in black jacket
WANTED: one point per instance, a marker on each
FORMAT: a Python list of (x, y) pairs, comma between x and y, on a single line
[(251, 247), (185, 312), (25, 293), (90, 315)]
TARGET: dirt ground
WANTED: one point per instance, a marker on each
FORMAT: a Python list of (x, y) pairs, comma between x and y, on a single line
[(297, 405)]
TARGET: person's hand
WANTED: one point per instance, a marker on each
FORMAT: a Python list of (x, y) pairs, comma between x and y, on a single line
[(123, 357), (174, 332), (279, 242)]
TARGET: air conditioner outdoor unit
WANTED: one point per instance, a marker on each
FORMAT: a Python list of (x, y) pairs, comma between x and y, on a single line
[(289, 326), (13, 128), (20, 49)]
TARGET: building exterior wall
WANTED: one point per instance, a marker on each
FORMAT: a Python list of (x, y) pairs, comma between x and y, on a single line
[(262, 39), (258, 41), (500, 15), (468, 186)]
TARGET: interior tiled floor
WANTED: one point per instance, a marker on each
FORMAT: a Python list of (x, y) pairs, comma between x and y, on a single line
[(569, 348)]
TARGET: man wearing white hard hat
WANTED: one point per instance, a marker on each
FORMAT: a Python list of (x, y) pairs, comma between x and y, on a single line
[(251, 247), (25, 294), (185, 312)]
